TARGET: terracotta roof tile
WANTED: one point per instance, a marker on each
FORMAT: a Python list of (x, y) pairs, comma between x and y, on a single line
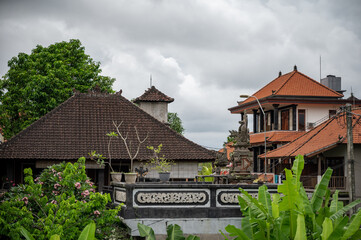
[(275, 137), (153, 95), (294, 84), (323, 137), (79, 125)]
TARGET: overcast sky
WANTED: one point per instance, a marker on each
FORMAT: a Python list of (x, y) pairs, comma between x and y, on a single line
[(202, 53)]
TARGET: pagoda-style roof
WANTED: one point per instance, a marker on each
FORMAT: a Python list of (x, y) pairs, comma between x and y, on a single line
[(293, 87), (153, 95), (80, 124)]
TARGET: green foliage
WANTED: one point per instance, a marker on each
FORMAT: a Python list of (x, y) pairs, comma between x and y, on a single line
[(175, 123), (291, 215), (88, 233), (62, 201), (37, 83), (174, 232), (206, 170), (159, 163)]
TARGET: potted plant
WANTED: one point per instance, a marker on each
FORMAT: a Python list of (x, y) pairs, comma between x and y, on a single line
[(160, 163)]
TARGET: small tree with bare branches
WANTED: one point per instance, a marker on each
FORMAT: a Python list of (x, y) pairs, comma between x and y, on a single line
[(128, 143)]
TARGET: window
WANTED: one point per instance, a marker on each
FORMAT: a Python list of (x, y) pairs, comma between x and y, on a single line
[(301, 119), (285, 119)]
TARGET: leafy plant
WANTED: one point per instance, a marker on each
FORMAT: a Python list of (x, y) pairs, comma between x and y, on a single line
[(291, 215), (206, 170), (62, 201), (88, 233), (175, 123), (174, 232), (159, 163)]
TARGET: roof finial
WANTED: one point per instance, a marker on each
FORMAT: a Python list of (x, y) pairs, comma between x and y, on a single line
[(295, 68), (151, 81), (280, 74)]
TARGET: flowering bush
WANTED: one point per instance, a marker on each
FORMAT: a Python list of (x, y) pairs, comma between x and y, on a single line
[(62, 200)]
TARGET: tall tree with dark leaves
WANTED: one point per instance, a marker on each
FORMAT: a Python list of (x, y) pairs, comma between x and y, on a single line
[(37, 83), (175, 123)]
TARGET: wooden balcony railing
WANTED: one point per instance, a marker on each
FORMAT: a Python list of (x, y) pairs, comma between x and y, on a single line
[(336, 182)]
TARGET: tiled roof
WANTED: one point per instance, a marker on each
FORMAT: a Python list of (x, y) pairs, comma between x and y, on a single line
[(153, 95), (294, 84), (323, 137), (79, 125), (274, 137)]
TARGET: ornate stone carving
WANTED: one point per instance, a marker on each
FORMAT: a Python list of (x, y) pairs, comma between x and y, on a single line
[(164, 198)]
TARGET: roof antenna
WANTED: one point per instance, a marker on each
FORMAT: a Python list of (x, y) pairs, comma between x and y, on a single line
[(320, 68), (150, 80)]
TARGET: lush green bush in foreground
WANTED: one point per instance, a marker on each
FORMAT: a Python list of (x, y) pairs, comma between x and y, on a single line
[(62, 201), (291, 215)]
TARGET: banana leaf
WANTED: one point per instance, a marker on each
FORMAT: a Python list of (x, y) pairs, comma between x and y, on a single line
[(353, 227), (320, 191), (339, 230), (345, 209), (301, 228), (174, 232), (146, 232)]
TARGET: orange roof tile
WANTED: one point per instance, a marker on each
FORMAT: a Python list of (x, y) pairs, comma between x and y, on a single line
[(275, 136), (323, 137), (293, 84)]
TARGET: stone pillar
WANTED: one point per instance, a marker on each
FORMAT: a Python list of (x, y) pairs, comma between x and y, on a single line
[(275, 112), (294, 117), (261, 122), (255, 129)]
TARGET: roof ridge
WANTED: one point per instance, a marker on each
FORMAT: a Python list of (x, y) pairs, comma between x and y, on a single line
[(264, 87), (320, 84), (291, 75)]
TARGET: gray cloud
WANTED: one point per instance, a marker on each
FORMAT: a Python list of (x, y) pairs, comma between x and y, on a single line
[(202, 53)]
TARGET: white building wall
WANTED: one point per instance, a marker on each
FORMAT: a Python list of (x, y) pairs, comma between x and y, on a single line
[(315, 113), (158, 110), (183, 169)]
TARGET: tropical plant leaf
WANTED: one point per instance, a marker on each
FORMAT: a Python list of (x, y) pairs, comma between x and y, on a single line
[(88, 232), (335, 204), (247, 227), (174, 232), (290, 192), (145, 231), (345, 209), (320, 191), (339, 230), (265, 199), (297, 167), (192, 237), (327, 228), (301, 228), (236, 232), (257, 208), (353, 227), (275, 205), (26, 234)]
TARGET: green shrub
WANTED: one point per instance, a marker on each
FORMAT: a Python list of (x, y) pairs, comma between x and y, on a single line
[(62, 201), (291, 215)]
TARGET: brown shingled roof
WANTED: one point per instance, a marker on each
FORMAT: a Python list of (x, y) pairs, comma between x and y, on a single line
[(153, 95), (325, 136), (79, 125)]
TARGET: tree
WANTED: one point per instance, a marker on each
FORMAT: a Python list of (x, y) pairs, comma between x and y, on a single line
[(37, 83), (175, 123)]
